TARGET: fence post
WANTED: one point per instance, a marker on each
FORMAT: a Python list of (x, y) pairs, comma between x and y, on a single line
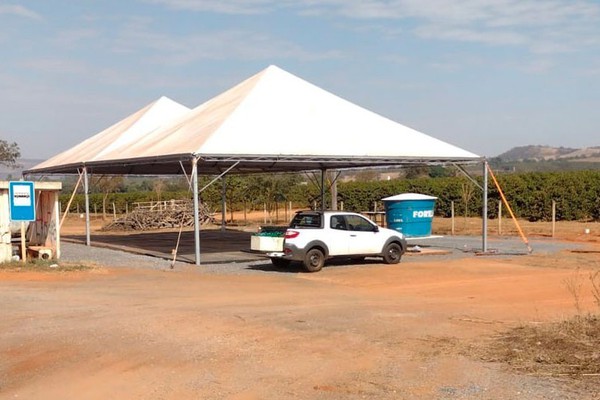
[(452, 216), (553, 218), (499, 217)]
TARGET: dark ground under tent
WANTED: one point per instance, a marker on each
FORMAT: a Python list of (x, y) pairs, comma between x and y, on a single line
[(230, 246)]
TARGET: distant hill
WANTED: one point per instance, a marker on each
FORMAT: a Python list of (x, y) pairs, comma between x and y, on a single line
[(23, 164), (547, 153), (547, 159)]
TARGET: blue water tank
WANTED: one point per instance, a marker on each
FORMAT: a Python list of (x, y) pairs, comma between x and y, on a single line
[(410, 213)]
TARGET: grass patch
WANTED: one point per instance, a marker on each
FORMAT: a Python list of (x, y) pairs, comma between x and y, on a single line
[(42, 266), (567, 348)]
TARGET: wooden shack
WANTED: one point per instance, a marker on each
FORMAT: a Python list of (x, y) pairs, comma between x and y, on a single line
[(42, 237)]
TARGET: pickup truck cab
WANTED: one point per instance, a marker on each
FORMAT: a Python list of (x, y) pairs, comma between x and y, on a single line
[(316, 236)]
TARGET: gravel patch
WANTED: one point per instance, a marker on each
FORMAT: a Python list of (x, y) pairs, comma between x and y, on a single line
[(457, 247), (112, 258), (466, 246), (79, 253)]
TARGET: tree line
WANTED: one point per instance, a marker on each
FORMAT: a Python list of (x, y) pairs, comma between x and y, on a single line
[(576, 193)]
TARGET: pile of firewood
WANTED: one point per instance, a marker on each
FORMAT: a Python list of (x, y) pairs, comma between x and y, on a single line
[(144, 219)]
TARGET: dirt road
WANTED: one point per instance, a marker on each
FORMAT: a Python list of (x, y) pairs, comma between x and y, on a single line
[(365, 331)]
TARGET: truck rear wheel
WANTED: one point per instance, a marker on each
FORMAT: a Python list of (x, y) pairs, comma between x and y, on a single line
[(392, 253), (314, 260)]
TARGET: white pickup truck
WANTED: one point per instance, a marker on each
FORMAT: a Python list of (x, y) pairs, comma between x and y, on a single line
[(315, 236)]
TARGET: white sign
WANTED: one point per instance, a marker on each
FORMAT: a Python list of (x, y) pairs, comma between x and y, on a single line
[(22, 201), (423, 214), (22, 195)]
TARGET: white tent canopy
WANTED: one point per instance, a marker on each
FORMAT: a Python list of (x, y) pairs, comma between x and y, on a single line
[(121, 135), (273, 121)]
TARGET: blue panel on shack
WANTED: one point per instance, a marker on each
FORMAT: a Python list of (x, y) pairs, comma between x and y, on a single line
[(410, 213)]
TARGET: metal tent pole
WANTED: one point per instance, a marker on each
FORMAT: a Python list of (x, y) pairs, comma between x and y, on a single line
[(196, 214), (223, 202), (86, 190), (485, 207)]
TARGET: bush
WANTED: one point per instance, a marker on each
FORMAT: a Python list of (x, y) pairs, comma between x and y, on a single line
[(577, 194)]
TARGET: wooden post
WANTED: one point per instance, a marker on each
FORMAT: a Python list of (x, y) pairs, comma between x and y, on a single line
[(341, 205), (452, 216), (276, 212), (265, 213), (334, 191), (23, 245), (500, 217), (126, 208), (245, 216), (553, 218), (56, 219), (95, 209)]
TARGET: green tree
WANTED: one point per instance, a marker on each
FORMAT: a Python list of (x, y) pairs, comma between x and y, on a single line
[(107, 185), (9, 153), (419, 171)]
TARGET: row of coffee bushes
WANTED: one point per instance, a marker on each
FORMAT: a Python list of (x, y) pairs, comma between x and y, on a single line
[(576, 194)]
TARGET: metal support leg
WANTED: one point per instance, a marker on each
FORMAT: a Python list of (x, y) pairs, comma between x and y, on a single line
[(196, 213), (223, 202), (86, 190), (484, 215)]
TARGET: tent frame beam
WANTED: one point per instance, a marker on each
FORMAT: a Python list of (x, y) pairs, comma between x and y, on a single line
[(320, 164)]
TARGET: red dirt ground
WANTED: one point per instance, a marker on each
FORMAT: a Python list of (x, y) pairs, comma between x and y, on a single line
[(365, 331)]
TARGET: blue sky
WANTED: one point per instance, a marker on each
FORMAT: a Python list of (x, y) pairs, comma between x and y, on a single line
[(486, 75)]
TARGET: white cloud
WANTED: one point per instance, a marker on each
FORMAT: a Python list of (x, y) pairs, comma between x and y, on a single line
[(169, 49), (71, 38), (537, 66), (19, 11), (471, 35), (55, 66), (549, 26), (223, 7)]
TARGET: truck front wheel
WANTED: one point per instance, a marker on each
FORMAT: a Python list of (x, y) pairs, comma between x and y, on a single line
[(392, 253)]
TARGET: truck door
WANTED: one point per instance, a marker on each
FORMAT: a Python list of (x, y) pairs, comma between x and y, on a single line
[(339, 236), (363, 236)]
